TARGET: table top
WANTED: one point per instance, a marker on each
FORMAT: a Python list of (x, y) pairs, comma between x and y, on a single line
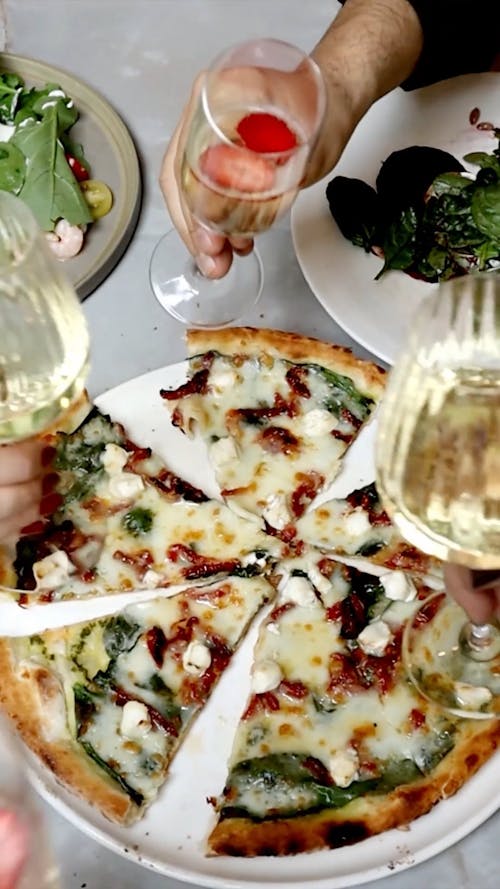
[(142, 56)]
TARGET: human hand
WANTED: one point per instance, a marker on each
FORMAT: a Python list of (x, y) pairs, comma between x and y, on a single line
[(21, 485), (480, 599)]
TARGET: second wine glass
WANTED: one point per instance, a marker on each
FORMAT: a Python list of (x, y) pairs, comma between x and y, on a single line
[(438, 474), (258, 115)]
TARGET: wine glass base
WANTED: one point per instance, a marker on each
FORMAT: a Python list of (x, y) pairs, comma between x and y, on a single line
[(440, 666), (193, 299)]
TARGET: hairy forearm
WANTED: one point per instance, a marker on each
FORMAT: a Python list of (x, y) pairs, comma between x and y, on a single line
[(371, 47)]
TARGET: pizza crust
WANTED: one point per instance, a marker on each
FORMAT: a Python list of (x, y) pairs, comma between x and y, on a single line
[(365, 816), (368, 377), (26, 696)]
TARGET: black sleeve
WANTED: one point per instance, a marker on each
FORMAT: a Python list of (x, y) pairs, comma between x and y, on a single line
[(460, 37)]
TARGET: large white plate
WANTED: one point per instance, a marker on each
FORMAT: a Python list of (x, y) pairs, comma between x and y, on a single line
[(377, 313), (171, 837), (111, 154)]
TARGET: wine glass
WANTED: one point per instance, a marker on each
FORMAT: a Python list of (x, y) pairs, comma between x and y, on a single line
[(438, 474), (258, 114), (44, 343), (25, 860)]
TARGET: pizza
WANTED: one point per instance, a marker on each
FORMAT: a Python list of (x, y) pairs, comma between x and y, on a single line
[(334, 743), (107, 702), (277, 412), (358, 525), (122, 521)]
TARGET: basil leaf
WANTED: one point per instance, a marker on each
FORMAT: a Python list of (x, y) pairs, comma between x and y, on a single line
[(354, 206), (341, 392), (11, 88), (120, 635), (138, 521), (134, 795)]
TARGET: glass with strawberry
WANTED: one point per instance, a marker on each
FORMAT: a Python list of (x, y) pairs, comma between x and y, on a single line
[(257, 118)]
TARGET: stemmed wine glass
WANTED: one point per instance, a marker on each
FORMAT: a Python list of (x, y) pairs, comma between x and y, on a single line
[(438, 474), (258, 114), (44, 341)]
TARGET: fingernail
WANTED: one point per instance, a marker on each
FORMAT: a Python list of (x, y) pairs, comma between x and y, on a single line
[(203, 240), (205, 264), (49, 482), (50, 503), (48, 454)]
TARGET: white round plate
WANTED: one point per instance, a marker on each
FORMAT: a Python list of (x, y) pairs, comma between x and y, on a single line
[(377, 313), (111, 154), (171, 838)]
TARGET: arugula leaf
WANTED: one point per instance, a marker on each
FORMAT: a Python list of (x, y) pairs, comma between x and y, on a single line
[(483, 160), (12, 168), (11, 87), (485, 208), (50, 189), (449, 182), (399, 242)]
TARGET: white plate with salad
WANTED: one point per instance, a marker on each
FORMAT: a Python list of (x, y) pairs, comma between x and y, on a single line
[(377, 313), (69, 156)]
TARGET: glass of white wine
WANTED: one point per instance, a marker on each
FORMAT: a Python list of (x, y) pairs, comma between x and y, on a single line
[(44, 341), (25, 859), (259, 110), (438, 474)]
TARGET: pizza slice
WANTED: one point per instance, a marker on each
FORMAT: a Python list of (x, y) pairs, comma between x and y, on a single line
[(335, 745), (122, 521), (106, 703), (357, 525), (277, 412)]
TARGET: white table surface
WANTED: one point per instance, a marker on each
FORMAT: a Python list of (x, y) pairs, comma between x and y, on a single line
[(142, 55)]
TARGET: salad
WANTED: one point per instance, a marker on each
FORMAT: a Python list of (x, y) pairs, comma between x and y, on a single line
[(427, 215), (42, 165)]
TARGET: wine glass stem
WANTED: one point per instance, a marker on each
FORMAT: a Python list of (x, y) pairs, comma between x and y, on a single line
[(480, 642)]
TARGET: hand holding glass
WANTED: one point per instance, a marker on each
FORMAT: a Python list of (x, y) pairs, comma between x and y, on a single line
[(244, 157)]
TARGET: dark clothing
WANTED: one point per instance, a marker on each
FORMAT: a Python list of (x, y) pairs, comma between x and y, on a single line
[(460, 37)]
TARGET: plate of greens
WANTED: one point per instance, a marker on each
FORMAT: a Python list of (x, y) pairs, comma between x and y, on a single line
[(67, 154), (414, 200)]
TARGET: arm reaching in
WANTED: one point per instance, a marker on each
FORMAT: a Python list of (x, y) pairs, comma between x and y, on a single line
[(371, 47)]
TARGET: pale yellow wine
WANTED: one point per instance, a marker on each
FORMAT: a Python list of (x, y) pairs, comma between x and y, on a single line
[(439, 465)]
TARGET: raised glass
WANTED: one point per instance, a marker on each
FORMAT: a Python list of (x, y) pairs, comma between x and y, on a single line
[(438, 474), (44, 341), (258, 113)]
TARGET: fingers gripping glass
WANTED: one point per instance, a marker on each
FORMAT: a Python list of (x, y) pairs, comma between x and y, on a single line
[(249, 140), (438, 473)]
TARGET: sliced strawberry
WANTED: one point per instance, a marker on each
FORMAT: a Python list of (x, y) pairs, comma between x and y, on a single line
[(266, 133), (14, 849), (233, 168)]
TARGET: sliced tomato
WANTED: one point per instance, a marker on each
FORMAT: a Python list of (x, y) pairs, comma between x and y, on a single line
[(235, 169), (98, 196), (79, 171), (266, 133)]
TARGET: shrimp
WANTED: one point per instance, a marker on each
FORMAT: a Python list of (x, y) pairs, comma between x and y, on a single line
[(66, 240)]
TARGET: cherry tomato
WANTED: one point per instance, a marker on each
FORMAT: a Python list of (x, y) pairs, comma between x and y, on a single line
[(77, 168), (266, 133), (98, 197)]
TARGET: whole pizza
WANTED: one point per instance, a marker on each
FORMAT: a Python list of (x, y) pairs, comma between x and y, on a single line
[(334, 743)]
